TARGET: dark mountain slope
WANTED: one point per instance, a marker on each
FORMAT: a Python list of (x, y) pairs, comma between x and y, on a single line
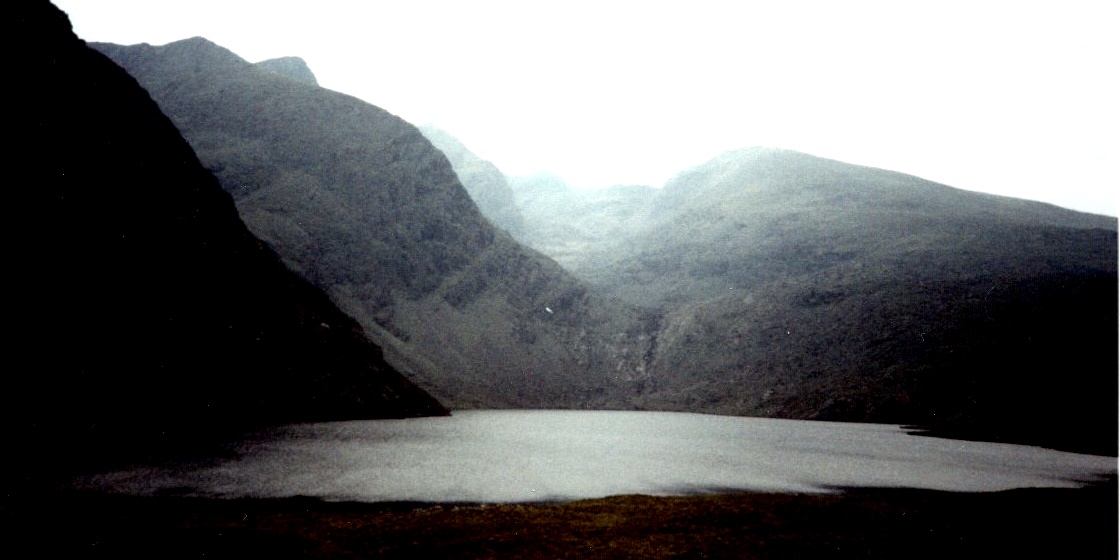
[(485, 184), (360, 203), (144, 311), (804, 287)]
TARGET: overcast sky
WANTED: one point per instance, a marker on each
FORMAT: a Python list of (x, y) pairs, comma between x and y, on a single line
[(1015, 98)]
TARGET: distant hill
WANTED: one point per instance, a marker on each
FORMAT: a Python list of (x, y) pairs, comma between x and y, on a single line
[(293, 67), (797, 286), (758, 215), (145, 315), (358, 202), (486, 185), (571, 226)]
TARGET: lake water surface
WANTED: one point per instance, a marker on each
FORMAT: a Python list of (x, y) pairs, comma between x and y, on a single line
[(512, 456)]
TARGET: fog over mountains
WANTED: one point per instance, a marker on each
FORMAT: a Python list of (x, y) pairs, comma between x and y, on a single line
[(763, 282)]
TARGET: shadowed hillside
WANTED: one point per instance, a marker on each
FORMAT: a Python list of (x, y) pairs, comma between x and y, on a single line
[(146, 314), (360, 203)]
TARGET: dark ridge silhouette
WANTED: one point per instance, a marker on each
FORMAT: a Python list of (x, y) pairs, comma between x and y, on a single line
[(145, 315)]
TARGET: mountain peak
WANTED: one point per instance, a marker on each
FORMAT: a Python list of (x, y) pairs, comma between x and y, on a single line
[(196, 54), (292, 67)]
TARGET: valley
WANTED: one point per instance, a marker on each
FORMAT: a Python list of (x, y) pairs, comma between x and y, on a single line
[(206, 248), (764, 283)]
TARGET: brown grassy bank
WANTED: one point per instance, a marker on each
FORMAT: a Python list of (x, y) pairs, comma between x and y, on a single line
[(855, 524)]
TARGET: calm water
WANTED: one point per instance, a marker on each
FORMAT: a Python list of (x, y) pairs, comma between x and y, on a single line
[(509, 456)]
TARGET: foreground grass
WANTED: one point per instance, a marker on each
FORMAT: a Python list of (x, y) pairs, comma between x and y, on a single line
[(855, 524)]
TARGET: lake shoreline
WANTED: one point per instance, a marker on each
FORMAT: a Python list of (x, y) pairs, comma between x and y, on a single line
[(876, 523), (532, 456)]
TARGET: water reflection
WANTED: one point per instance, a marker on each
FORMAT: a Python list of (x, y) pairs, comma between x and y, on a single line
[(509, 456)]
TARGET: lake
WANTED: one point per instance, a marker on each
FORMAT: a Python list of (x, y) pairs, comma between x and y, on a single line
[(517, 456)]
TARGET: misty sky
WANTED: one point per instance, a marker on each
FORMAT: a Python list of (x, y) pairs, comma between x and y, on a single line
[(1015, 98)]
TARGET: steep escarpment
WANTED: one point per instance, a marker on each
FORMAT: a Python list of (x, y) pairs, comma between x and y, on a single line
[(361, 204), (145, 313)]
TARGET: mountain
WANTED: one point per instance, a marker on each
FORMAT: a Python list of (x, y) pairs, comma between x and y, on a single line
[(765, 282), (145, 315), (485, 184), (361, 204), (293, 67), (796, 286)]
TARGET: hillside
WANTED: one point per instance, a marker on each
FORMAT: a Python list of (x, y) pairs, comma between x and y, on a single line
[(146, 315), (798, 286), (358, 202)]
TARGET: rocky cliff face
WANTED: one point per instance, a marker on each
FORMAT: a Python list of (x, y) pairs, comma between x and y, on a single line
[(147, 313), (361, 204)]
